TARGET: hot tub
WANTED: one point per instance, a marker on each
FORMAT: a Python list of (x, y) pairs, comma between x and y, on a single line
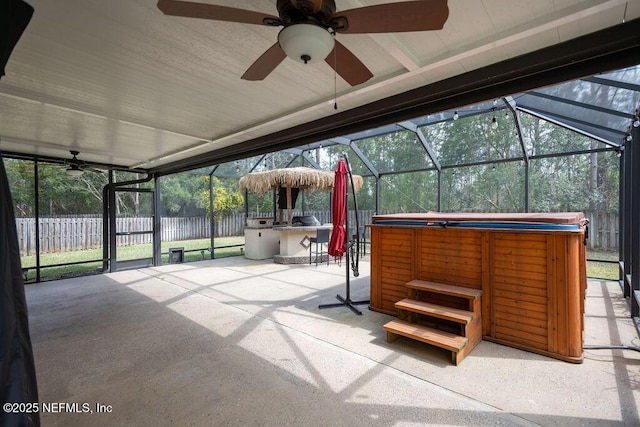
[(531, 268)]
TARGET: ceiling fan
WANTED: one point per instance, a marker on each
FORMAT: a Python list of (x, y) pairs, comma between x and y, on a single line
[(77, 167), (310, 26)]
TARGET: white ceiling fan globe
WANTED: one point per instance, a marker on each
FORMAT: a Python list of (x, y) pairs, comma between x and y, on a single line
[(306, 43)]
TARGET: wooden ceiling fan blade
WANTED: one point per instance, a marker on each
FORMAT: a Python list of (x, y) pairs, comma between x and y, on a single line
[(264, 65), (347, 65), (218, 13), (398, 17)]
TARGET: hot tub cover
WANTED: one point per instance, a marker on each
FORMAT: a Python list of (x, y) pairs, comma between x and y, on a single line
[(553, 220)]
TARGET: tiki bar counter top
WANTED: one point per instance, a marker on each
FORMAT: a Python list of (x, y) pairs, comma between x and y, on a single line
[(294, 242), (530, 270)]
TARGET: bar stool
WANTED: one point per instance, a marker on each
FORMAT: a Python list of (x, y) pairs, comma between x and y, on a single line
[(322, 237)]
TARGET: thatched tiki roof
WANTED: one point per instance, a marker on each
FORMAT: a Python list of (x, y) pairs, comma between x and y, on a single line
[(306, 179)]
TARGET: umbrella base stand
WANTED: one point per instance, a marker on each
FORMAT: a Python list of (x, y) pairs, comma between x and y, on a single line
[(345, 302)]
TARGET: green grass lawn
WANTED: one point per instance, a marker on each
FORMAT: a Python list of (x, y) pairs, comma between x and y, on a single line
[(195, 250), (602, 270)]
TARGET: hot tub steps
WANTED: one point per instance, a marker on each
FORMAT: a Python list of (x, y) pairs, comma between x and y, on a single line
[(425, 334), (442, 315), (408, 306)]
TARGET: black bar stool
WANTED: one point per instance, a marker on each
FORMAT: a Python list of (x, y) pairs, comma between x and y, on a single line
[(322, 237)]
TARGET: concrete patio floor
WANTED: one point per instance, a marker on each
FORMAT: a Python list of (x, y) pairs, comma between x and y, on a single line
[(239, 342)]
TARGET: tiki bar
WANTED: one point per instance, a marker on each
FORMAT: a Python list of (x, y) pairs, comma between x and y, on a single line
[(287, 240)]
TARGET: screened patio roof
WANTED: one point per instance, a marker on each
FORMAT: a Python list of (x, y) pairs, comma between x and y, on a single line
[(602, 107)]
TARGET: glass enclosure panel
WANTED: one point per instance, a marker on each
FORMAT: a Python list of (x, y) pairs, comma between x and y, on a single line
[(278, 160), (184, 195), (629, 75), (313, 201), (596, 108), (395, 152), (479, 138), (560, 184), (134, 215), (63, 194), (185, 214), (367, 195), (20, 174), (409, 192), (324, 156), (372, 133), (240, 167), (70, 209), (484, 188), (202, 171), (542, 137), (261, 205), (358, 167)]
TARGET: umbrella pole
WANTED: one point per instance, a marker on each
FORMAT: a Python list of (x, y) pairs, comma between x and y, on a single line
[(346, 301)]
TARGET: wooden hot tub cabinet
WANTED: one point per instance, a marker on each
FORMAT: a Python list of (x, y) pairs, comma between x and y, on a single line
[(530, 267)]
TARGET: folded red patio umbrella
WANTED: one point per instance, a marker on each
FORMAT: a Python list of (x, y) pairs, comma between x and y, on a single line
[(339, 211)]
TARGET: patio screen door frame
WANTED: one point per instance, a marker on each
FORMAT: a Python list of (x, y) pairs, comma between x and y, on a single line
[(114, 263)]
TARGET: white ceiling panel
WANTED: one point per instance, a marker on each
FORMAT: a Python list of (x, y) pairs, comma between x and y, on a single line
[(602, 18)]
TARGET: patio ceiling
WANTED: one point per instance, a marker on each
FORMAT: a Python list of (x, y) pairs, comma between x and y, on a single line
[(125, 85)]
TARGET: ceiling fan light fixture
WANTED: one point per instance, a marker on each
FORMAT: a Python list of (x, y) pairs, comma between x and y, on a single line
[(74, 170), (306, 43)]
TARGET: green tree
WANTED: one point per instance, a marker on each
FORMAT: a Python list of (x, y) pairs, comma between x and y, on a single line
[(180, 194), (226, 196), (21, 184)]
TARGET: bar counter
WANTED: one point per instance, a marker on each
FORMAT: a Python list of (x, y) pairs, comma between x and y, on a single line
[(294, 242)]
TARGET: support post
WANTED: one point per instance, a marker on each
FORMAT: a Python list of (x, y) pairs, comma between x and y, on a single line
[(157, 224), (37, 211), (634, 237), (624, 225), (112, 229), (105, 222), (212, 221)]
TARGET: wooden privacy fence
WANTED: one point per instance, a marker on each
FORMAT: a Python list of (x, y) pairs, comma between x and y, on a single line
[(61, 234), (603, 230)]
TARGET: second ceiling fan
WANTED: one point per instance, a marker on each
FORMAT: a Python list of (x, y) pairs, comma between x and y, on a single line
[(310, 26)]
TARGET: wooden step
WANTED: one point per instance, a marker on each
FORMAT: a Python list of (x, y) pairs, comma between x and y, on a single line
[(434, 310), (425, 334), (441, 288)]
